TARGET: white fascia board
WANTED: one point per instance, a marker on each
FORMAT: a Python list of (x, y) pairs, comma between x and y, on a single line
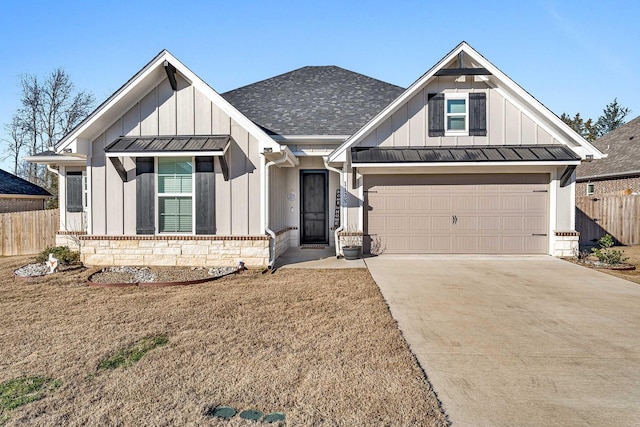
[(57, 160), (309, 139), (498, 76), (511, 85), (157, 66), (310, 153), (338, 154), (607, 175), (463, 164), (264, 140), (117, 97)]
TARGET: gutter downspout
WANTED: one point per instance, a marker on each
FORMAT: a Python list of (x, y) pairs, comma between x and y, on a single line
[(342, 189), (270, 232)]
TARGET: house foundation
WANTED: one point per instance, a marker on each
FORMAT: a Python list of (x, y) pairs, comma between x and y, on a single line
[(174, 251)]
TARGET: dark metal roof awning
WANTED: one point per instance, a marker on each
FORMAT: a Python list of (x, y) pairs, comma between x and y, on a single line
[(158, 146), (212, 145), (487, 154)]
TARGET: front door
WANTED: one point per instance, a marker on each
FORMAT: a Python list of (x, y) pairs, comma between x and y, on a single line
[(313, 209)]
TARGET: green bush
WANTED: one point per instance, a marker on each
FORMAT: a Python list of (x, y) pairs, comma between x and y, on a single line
[(605, 254), (64, 255)]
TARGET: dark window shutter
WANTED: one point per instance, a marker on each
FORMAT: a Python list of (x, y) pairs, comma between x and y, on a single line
[(478, 114), (74, 192), (436, 114), (205, 196), (145, 196)]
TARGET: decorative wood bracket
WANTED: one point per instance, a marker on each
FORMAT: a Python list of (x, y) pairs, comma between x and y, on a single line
[(225, 167), (171, 73), (119, 168), (566, 175)]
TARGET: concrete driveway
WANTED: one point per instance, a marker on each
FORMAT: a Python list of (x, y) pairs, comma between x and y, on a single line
[(519, 341)]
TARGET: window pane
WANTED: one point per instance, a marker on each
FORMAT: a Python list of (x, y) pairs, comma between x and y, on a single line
[(174, 175), (456, 123), (456, 106), (175, 214)]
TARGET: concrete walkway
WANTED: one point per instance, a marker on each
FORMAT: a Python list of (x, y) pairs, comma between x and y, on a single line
[(519, 341), (300, 257)]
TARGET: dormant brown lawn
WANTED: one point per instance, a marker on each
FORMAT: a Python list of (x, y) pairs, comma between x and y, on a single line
[(317, 345)]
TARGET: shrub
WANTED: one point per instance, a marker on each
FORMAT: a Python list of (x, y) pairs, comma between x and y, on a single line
[(64, 255), (606, 254)]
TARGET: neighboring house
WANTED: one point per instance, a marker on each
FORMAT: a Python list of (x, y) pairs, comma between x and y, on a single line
[(17, 194), (619, 172), (463, 161)]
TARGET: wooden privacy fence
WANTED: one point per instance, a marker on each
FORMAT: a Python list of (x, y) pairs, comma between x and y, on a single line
[(615, 215), (30, 232)]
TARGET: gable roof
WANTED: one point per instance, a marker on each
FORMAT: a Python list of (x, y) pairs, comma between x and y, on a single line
[(622, 146), (14, 185), (500, 81), (325, 100), (138, 85)]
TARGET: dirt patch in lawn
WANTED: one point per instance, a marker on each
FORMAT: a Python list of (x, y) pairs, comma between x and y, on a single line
[(317, 345)]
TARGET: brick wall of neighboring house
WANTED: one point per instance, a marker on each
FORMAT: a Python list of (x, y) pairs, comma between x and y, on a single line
[(8, 204), (609, 187)]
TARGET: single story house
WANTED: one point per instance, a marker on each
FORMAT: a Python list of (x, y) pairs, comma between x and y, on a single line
[(17, 194), (169, 172), (619, 172)]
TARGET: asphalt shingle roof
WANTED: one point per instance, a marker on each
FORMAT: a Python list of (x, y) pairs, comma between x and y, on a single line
[(622, 146), (326, 100), (11, 184)]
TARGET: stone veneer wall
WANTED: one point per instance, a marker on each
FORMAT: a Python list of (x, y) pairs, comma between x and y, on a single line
[(565, 243), (174, 250), (70, 239), (283, 240)]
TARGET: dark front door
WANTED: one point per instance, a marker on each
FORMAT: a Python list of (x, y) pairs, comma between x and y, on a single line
[(314, 207)]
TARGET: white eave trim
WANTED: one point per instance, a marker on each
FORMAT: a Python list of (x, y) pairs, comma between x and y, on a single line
[(311, 138), (263, 139), (339, 153), (462, 164), (57, 160)]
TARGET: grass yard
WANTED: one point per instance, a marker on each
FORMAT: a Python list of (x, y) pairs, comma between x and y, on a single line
[(319, 346)]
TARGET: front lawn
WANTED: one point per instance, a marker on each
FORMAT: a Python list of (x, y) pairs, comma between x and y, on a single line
[(319, 346)]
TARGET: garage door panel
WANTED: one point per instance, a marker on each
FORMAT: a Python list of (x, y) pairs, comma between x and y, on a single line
[(441, 223), (489, 203), (458, 213), (441, 203)]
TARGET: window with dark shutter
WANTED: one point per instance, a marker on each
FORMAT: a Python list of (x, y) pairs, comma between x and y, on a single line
[(478, 114), (145, 196), (205, 193), (74, 192), (436, 114)]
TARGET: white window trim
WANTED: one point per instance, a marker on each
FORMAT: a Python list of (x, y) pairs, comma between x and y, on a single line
[(592, 186), (158, 195), (85, 191), (453, 96)]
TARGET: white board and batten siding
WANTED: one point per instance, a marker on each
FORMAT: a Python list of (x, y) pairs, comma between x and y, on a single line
[(165, 112), (506, 123)]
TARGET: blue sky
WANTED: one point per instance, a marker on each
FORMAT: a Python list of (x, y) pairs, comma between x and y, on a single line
[(573, 56)]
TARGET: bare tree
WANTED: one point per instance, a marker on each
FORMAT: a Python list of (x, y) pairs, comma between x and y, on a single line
[(49, 109)]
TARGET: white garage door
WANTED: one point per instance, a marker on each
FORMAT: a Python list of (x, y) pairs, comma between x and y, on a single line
[(498, 213)]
